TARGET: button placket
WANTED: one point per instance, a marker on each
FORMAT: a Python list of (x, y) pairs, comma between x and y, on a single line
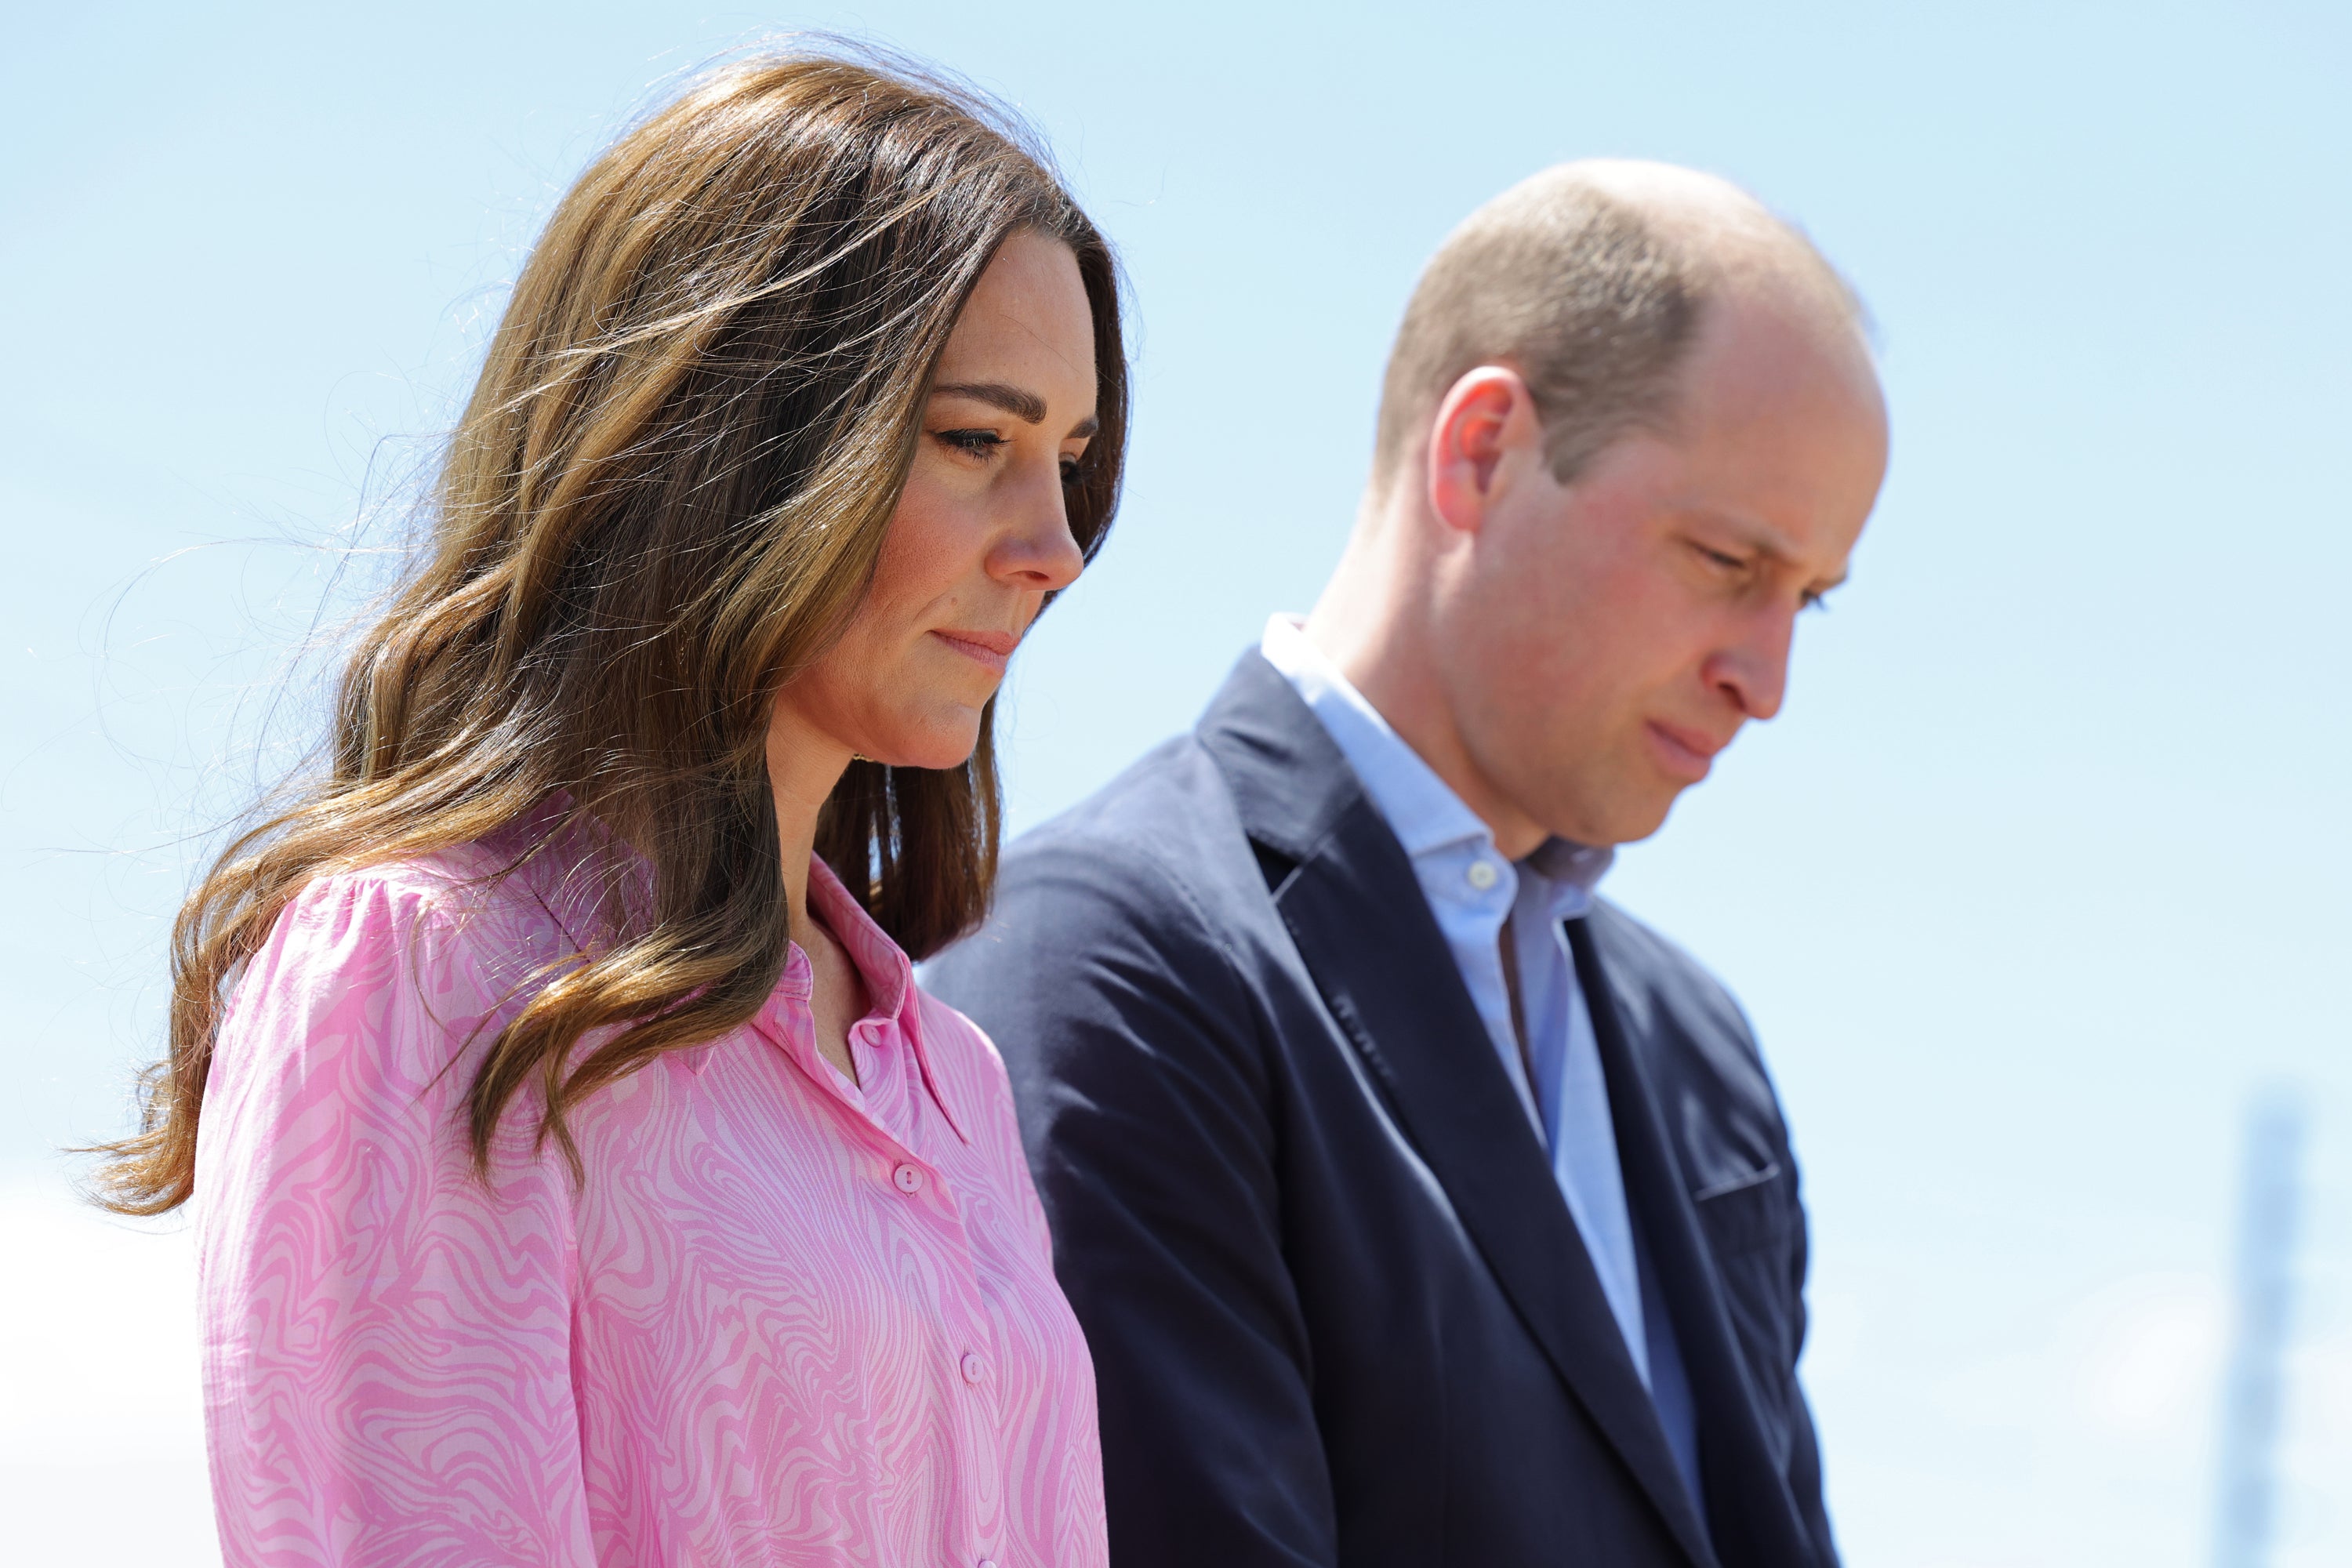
[(971, 1338), (934, 1200), (967, 1337)]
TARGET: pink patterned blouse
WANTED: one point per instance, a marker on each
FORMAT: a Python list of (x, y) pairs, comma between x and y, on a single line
[(783, 1319)]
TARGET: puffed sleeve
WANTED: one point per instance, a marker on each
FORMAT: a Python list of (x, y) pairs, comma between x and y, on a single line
[(386, 1336)]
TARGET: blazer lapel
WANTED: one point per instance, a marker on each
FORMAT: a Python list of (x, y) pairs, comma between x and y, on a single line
[(1753, 1518), (1348, 894)]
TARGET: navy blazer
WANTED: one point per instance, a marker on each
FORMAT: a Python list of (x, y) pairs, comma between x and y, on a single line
[(1339, 1310)]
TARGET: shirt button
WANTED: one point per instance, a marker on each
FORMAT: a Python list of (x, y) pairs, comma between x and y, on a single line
[(1482, 874), (907, 1179), (971, 1369)]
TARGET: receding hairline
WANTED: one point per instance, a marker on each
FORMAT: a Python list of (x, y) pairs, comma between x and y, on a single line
[(1740, 251), (1723, 232), (1714, 239)]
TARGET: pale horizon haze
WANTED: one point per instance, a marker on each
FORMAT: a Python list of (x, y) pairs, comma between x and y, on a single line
[(2040, 879)]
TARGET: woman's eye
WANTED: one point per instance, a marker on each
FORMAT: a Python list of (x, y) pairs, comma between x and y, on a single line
[(980, 444)]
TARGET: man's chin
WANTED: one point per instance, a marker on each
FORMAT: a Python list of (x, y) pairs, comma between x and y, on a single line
[(1624, 821)]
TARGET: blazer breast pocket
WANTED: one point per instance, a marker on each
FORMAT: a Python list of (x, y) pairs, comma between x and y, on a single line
[(1752, 1227), (1742, 1215)]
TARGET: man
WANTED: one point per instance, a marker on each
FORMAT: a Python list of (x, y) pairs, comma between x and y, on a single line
[(1420, 1208)]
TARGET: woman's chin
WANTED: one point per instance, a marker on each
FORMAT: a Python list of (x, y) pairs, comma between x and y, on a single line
[(943, 747)]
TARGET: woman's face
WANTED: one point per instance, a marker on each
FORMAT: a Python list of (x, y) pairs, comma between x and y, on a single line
[(981, 533)]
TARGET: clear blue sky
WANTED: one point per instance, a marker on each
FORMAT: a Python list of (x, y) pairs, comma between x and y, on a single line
[(2043, 872)]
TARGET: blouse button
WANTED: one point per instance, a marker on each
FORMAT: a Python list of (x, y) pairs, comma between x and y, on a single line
[(972, 1368), (987, 1563), (907, 1179)]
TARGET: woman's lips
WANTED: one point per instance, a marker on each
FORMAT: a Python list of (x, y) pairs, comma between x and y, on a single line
[(990, 648)]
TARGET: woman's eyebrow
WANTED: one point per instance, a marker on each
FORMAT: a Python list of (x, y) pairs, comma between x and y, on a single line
[(1026, 406)]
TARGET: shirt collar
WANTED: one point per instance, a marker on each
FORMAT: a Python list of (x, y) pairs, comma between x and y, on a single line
[(882, 965), (1572, 865), (569, 881), (889, 977), (1420, 808)]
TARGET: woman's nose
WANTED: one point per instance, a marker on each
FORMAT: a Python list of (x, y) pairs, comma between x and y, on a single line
[(1039, 550)]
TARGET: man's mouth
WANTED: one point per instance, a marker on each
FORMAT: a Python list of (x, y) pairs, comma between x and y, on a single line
[(1687, 754)]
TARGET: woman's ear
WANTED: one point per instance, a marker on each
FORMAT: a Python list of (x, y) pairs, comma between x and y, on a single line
[(1480, 420)]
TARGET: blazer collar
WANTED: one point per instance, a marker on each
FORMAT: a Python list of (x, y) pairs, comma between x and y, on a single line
[(1289, 779), (1347, 891)]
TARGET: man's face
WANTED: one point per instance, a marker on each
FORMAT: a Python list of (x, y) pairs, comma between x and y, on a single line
[(1609, 636)]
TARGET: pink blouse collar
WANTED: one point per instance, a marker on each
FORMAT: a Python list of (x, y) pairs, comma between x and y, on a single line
[(889, 974)]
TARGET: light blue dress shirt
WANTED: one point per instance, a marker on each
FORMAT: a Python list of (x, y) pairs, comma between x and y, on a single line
[(1473, 891)]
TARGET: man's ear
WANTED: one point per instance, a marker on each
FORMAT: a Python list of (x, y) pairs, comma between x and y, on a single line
[(1484, 419)]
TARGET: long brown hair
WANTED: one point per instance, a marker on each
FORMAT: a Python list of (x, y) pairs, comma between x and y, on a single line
[(666, 496)]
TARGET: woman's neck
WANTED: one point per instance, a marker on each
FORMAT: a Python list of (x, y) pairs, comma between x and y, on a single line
[(803, 765)]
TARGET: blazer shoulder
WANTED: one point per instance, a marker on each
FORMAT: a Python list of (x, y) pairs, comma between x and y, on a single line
[(1131, 904), (1160, 848), (1701, 1053), (1652, 971)]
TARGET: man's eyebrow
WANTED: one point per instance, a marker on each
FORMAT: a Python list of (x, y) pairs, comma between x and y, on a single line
[(1768, 543)]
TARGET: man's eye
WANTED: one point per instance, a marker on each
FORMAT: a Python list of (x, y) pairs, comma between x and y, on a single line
[(1718, 558)]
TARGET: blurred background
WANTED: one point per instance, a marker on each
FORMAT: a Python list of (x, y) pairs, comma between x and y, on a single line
[(2039, 883)]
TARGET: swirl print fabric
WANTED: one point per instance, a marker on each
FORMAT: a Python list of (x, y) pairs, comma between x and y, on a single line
[(781, 1319)]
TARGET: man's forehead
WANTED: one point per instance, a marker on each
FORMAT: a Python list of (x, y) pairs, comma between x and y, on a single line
[(1765, 346), (1783, 429)]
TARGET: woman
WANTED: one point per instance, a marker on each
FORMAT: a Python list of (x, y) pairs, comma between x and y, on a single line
[(582, 1177)]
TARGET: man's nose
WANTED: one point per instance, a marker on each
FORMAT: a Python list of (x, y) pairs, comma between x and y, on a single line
[(1752, 669)]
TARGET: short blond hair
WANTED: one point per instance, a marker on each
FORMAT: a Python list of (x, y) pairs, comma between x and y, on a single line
[(1591, 299)]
